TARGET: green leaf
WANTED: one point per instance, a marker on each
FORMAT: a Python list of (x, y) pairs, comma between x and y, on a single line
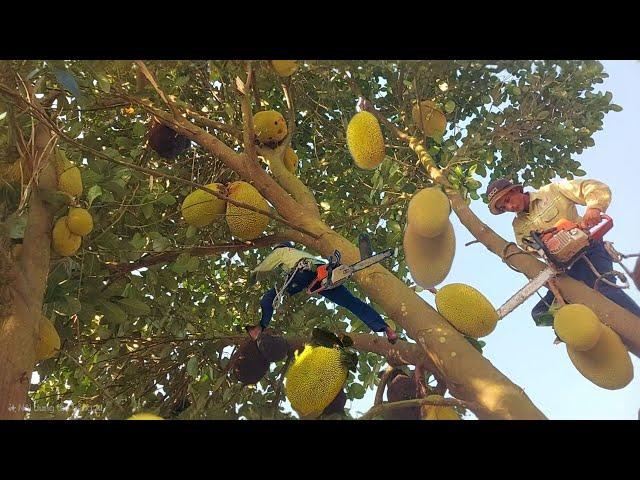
[(167, 199), (449, 106), (147, 210), (357, 390), (542, 115), (135, 307), (579, 173), (112, 312), (615, 108), (192, 366), (93, 193)]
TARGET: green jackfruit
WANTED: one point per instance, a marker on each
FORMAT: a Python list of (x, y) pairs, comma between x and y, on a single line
[(577, 326), (270, 127), (201, 208), (466, 309), (246, 224), (365, 140), (69, 179), (428, 212), (79, 221), (65, 242), (48, 340), (429, 259)]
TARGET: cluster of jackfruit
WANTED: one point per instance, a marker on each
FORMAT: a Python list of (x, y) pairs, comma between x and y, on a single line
[(466, 309), (252, 362), (284, 68), (315, 379), (432, 122), (48, 340), (429, 239), (595, 349), (365, 140), (68, 231)]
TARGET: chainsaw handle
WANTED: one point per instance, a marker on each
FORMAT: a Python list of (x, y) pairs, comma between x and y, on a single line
[(602, 227)]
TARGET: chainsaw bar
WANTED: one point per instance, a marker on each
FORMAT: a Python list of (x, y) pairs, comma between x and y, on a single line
[(525, 292), (367, 262)]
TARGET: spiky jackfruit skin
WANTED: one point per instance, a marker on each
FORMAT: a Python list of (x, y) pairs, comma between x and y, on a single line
[(433, 123), (250, 365), (284, 68), (79, 221), (48, 340), (290, 160), (402, 387), (14, 172), (246, 224), (577, 326), (428, 212), (466, 309), (607, 364), (314, 379), (365, 140), (201, 208), (145, 416), (65, 243), (270, 127), (436, 412), (429, 259), (166, 142), (69, 178)]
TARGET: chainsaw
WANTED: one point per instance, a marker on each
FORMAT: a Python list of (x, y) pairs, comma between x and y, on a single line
[(561, 246)]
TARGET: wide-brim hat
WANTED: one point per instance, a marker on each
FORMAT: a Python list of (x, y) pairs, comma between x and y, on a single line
[(498, 189)]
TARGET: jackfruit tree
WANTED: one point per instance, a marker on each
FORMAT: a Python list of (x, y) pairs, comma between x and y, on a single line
[(150, 301)]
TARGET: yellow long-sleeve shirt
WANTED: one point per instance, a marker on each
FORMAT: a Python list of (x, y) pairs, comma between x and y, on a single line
[(558, 200)]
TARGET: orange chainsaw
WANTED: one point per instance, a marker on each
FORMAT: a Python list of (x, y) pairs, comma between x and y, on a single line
[(561, 246)]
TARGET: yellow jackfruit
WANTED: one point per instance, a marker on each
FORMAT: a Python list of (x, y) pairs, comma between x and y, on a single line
[(314, 379), (436, 412), (270, 127), (429, 259), (144, 416), (69, 179), (14, 172), (284, 68), (577, 326), (433, 123), (246, 224), (48, 341), (65, 243), (466, 309), (365, 140), (607, 364), (200, 208), (428, 212), (290, 160), (79, 221)]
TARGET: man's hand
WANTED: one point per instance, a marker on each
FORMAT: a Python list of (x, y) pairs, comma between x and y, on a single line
[(591, 217)]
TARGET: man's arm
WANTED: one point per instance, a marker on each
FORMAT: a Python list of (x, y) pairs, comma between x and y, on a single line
[(267, 265), (592, 193)]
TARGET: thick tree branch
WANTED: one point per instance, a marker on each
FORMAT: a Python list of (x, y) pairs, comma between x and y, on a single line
[(378, 410)]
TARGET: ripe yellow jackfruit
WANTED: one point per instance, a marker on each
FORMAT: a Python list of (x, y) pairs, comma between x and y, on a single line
[(144, 416), (577, 326), (284, 68), (365, 140), (79, 221), (436, 412), (65, 243), (466, 309), (607, 364), (270, 127), (433, 123), (314, 379), (200, 208), (429, 259), (428, 212), (290, 160), (246, 224), (69, 179), (48, 341)]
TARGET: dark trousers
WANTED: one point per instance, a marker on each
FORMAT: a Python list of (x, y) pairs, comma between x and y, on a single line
[(339, 295), (581, 271)]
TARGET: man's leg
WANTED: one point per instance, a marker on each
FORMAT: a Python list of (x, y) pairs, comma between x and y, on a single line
[(266, 304), (343, 297)]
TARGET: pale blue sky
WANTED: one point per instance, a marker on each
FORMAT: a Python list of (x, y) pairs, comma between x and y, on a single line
[(526, 353)]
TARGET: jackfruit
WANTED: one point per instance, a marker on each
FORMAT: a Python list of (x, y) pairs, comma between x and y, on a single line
[(79, 221), (274, 348), (429, 259), (15, 172), (436, 412), (402, 387), (607, 364), (250, 365), (65, 243), (69, 178), (365, 140), (290, 160), (577, 326), (270, 127), (428, 212), (200, 208), (433, 123), (284, 68), (166, 142), (466, 309), (48, 341), (246, 224), (314, 379), (144, 416)]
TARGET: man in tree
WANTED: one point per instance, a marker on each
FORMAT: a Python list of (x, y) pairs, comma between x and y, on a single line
[(287, 258), (540, 210)]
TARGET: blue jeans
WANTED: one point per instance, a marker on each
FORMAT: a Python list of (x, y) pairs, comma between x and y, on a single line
[(581, 271), (339, 295)]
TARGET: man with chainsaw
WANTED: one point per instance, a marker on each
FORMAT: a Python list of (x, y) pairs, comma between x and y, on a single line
[(542, 209), (301, 271)]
